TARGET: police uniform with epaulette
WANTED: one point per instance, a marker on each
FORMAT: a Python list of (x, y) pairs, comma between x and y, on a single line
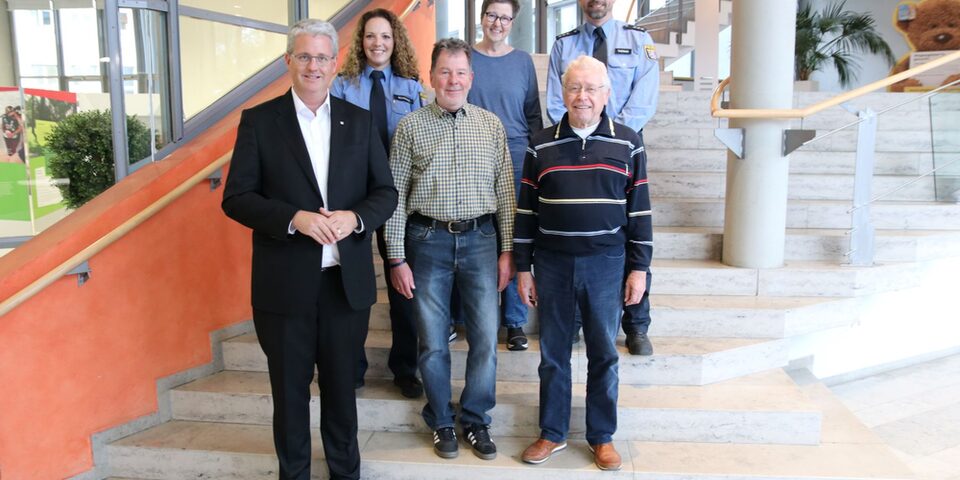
[(631, 64), (634, 83)]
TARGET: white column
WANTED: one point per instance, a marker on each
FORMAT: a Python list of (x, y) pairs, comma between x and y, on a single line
[(707, 48), (761, 68)]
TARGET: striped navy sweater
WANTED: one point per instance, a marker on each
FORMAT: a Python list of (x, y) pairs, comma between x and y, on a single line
[(584, 196)]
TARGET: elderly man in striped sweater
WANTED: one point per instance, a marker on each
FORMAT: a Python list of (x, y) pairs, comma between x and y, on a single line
[(582, 218)]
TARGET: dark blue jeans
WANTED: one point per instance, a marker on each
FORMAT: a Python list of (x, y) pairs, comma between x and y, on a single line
[(564, 284), (439, 260)]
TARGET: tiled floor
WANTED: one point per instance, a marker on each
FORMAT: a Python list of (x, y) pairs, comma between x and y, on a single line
[(916, 410)]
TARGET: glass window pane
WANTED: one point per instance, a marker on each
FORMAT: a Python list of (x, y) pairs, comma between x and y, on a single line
[(36, 42), (129, 55), (147, 96), (562, 16), (325, 8), (216, 57), (452, 19), (275, 11), (49, 83), (81, 41), (85, 86)]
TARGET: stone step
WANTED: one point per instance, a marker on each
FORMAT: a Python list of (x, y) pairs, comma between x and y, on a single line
[(794, 279), (802, 244), (800, 186), (747, 316), (767, 407), (817, 244), (184, 449), (690, 212), (676, 360), (694, 113), (713, 316), (700, 136), (675, 160)]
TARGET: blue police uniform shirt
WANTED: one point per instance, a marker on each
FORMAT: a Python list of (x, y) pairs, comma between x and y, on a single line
[(631, 64), (402, 94)]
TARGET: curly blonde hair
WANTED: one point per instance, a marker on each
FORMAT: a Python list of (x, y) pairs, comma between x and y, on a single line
[(403, 61)]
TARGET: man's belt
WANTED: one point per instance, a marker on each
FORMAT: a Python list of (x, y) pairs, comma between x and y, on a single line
[(457, 226)]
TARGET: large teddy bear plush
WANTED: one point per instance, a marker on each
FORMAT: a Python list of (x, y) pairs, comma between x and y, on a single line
[(935, 27)]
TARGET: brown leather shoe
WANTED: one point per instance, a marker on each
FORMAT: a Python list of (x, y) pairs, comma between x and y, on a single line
[(606, 457), (541, 450)]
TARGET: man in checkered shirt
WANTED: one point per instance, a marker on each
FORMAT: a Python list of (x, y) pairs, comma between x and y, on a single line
[(453, 226)]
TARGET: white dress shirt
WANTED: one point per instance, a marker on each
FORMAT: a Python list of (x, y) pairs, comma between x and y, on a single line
[(316, 134)]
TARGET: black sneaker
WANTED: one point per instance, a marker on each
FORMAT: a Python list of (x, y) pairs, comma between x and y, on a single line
[(639, 344), (479, 438), (445, 443), (453, 334), (516, 340)]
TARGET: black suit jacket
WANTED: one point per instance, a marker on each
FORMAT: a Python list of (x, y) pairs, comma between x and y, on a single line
[(271, 178)]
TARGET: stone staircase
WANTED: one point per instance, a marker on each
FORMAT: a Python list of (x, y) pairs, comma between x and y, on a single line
[(715, 400)]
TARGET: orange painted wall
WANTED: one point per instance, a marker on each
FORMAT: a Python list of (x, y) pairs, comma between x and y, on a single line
[(78, 360)]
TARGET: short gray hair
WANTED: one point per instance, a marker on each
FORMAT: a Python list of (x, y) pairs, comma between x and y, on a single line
[(584, 62), (314, 28)]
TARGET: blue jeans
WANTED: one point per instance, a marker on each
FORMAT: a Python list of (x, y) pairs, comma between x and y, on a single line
[(439, 260), (511, 306), (564, 283)]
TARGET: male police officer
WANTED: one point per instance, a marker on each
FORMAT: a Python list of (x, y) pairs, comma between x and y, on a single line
[(631, 60)]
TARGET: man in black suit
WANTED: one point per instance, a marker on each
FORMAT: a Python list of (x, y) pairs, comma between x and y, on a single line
[(313, 205)]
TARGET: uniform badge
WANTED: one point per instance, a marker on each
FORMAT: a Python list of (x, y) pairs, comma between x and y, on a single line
[(623, 51), (403, 98), (651, 51)]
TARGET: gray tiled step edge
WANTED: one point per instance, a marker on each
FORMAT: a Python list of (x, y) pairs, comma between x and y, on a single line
[(676, 361), (194, 450), (794, 279), (713, 316), (762, 408), (689, 212)]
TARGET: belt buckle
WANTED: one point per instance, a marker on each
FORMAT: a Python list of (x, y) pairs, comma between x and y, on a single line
[(450, 228)]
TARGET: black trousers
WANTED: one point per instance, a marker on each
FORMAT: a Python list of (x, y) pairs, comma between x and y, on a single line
[(331, 341), (403, 350), (636, 318)]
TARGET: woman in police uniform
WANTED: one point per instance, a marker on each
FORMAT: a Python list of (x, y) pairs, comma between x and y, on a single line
[(381, 52)]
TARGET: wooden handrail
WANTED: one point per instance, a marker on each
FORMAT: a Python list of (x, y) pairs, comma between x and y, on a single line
[(104, 241), (718, 112), (410, 8)]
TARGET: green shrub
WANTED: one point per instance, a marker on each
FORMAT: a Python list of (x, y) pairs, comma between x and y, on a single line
[(80, 150)]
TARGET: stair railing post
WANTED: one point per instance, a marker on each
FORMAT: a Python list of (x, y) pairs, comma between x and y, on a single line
[(861, 229)]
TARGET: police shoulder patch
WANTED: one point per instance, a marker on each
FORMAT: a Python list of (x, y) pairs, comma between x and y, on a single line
[(630, 26), (567, 34), (651, 51)]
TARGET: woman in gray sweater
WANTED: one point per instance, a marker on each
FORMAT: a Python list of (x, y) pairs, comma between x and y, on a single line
[(505, 83)]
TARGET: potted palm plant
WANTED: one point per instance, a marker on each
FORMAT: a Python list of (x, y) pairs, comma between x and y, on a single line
[(835, 36)]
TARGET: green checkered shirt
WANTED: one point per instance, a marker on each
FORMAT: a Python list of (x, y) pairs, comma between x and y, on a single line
[(451, 167)]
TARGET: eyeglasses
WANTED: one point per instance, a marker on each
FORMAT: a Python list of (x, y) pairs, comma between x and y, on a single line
[(303, 59), (493, 17), (575, 89)]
